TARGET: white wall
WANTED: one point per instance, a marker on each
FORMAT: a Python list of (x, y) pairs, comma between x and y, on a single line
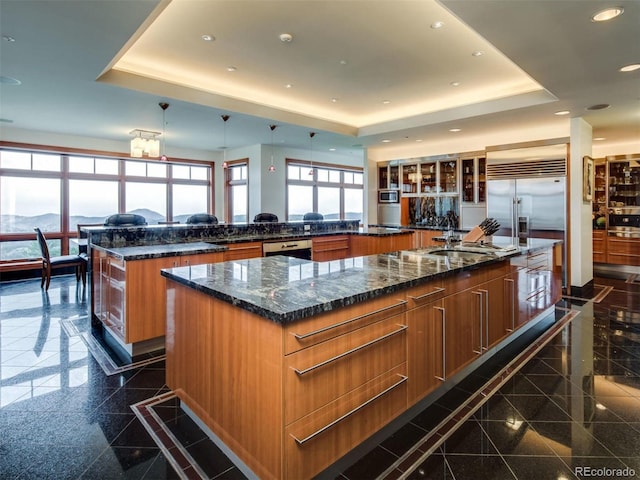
[(579, 212)]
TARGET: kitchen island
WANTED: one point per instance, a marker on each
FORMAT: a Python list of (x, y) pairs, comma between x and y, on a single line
[(299, 362), (128, 293)]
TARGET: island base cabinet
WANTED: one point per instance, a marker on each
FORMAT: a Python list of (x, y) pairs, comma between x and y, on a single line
[(225, 364), (426, 341), (315, 442)]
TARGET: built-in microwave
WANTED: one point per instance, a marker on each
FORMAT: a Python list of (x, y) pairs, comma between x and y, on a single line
[(388, 196)]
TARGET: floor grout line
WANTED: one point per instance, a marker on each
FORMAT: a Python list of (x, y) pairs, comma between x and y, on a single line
[(481, 396)]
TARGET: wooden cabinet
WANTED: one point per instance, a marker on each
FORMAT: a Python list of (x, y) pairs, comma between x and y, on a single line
[(426, 319), (600, 246), (288, 399), (373, 244), (623, 251), (131, 295), (328, 248), (425, 238), (239, 251), (292, 399)]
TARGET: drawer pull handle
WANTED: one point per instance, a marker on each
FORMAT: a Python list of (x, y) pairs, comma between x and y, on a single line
[(346, 322), (349, 352), (481, 321), (403, 379), (512, 298), (426, 295), (444, 344)]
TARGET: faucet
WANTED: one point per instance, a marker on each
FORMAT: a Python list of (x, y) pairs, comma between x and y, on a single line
[(448, 237)]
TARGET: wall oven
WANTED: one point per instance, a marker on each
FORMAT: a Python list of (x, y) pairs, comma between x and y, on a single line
[(388, 196), (292, 248)]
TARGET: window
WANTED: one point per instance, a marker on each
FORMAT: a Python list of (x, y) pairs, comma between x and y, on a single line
[(236, 191), (335, 192), (56, 191)]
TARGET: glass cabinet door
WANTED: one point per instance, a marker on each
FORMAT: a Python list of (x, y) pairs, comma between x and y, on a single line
[(383, 177), (428, 177), (448, 176), (468, 180), (482, 180), (624, 184), (393, 176), (410, 178)]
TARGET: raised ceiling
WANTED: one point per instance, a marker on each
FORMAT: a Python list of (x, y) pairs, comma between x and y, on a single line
[(359, 72)]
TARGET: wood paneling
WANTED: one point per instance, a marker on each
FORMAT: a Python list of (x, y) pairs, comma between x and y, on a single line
[(330, 248), (239, 251)]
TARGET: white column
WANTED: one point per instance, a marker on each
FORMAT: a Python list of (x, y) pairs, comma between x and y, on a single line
[(579, 211)]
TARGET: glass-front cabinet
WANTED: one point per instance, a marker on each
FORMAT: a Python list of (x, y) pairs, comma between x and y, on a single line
[(429, 189), (473, 180), (388, 177), (624, 184)]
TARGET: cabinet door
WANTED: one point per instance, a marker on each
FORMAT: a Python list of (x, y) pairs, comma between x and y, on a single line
[(462, 329), (499, 304), (239, 251), (425, 361), (114, 296)]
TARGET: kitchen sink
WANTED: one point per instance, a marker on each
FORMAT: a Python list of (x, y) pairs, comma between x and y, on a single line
[(461, 254)]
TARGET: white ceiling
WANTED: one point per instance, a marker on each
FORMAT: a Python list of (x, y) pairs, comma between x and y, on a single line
[(99, 68)]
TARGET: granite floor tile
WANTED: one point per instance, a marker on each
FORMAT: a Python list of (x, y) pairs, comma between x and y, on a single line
[(62, 417)]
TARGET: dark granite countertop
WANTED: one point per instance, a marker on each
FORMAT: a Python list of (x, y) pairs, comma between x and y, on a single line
[(141, 252), (166, 250), (285, 289)]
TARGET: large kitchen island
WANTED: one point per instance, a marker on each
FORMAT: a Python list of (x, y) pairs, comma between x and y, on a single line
[(290, 364)]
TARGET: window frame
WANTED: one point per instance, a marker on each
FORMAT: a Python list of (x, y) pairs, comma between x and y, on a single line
[(315, 183), (65, 234)]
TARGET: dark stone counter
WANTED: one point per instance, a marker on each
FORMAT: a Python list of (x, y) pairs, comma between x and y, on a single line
[(164, 250), (285, 289)]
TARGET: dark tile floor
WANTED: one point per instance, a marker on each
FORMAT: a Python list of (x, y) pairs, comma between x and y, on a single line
[(571, 409)]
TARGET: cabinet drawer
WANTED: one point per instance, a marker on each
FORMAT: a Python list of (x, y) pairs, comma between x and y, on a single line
[(318, 375), (464, 280), (239, 251), (323, 327), (325, 244), (318, 440), (422, 294)]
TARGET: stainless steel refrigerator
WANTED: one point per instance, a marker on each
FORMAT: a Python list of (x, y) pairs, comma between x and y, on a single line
[(529, 207)]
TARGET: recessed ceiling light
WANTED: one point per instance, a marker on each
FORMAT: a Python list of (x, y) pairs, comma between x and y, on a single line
[(288, 85), (477, 53), (386, 141), (455, 84), (8, 38), (630, 68), (386, 102), (332, 149), (562, 112), (418, 139), (455, 130), (231, 68), (286, 37), (599, 139), (599, 106), (437, 25), (607, 14), (334, 100), (343, 62), (208, 38)]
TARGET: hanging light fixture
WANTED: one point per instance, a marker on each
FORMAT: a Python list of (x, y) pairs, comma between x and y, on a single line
[(224, 140), (144, 142), (272, 167), (163, 157), (311, 135)]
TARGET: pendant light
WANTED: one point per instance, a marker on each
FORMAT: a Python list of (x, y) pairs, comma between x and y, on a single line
[(224, 140), (164, 107), (272, 167), (311, 135)]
